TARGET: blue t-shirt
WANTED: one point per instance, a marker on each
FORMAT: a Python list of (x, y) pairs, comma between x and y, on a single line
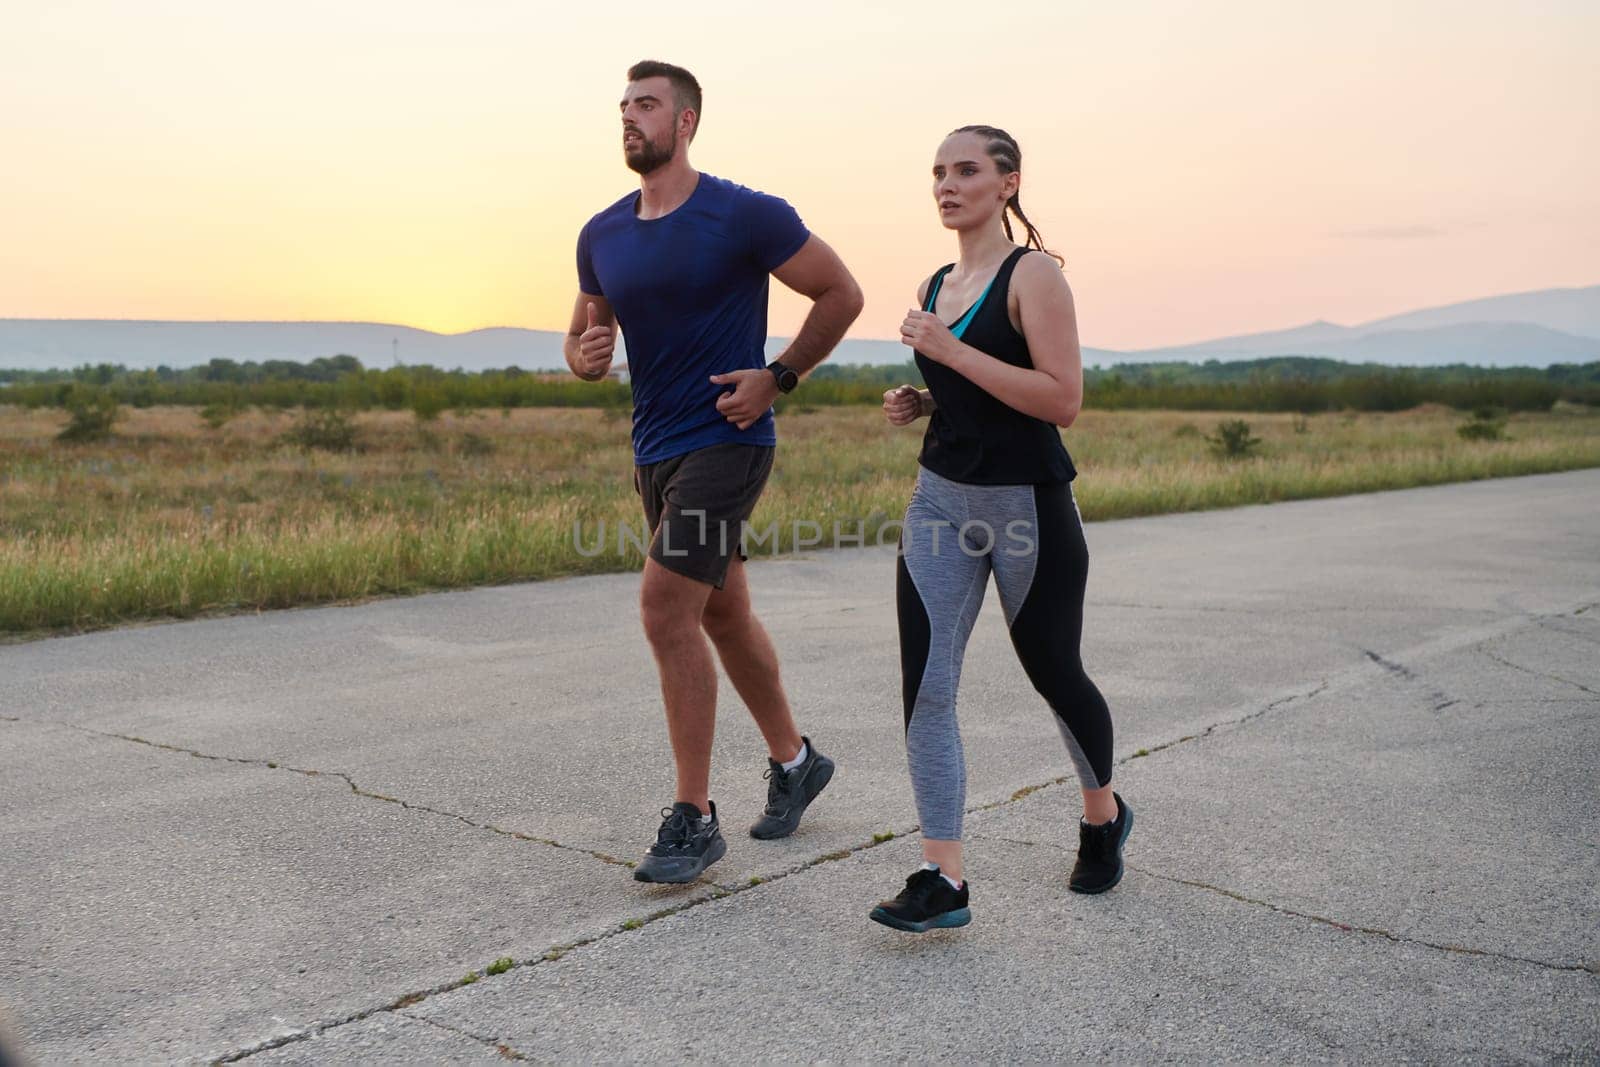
[(690, 292)]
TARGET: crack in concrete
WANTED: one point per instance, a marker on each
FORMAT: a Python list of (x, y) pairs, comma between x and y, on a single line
[(274, 765), (505, 1051), (1440, 698), (318, 1029), (1141, 753), (550, 955), (1541, 674), (1373, 931), (1547, 624), (1390, 665)]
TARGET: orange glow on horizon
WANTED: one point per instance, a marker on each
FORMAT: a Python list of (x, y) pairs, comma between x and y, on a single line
[(1205, 172)]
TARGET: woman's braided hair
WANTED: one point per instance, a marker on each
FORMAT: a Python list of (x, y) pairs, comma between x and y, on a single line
[(1007, 156)]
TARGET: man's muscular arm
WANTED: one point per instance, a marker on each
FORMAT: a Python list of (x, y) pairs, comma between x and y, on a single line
[(817, 271)]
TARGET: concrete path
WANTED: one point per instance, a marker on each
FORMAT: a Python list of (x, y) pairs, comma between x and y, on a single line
[(1361, 735)]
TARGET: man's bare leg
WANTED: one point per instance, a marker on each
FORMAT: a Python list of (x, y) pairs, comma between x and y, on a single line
[(748, 655), (671, 607)]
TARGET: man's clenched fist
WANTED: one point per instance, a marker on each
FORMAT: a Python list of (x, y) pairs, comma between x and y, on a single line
[(595, 348)]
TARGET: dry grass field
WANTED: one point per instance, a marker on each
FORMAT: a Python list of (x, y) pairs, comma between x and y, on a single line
[(173, 518)]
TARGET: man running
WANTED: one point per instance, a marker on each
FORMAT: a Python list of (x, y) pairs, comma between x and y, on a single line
[(682, 266)]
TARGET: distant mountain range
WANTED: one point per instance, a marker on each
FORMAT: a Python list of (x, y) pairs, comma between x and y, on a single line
[(1523, 329)]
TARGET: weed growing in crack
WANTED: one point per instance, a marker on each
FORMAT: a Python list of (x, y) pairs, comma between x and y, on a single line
[(500, 966), (632, 924), (472, 976), (887, 835)]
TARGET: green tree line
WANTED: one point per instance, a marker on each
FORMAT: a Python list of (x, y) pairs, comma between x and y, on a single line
[(1300, 384)]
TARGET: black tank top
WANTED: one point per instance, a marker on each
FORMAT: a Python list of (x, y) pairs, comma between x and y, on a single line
[(974, 437)]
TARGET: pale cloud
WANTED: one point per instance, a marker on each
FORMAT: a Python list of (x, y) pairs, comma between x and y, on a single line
[(1390, 233)]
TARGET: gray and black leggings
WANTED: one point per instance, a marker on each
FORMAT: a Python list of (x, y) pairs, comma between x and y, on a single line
[(1031, 538)]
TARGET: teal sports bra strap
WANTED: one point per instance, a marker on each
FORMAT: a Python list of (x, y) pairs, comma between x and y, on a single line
[(964, 321), (958, 327)]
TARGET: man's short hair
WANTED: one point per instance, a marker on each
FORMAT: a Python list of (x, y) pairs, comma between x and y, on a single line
[(685, 89)]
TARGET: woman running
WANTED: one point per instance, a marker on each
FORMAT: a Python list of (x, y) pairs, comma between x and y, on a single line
[(996, 339)]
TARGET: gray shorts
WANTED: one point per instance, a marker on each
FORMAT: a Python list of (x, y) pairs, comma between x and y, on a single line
[(697, 505)]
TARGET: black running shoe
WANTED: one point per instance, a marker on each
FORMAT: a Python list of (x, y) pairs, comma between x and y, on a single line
[(1099, 865), (926, 903), (684, 846), (789, 793)]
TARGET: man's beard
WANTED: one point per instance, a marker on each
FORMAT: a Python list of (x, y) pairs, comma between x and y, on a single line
[(649, 155)]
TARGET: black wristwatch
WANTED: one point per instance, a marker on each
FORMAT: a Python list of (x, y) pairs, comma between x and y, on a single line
[(787, 379)]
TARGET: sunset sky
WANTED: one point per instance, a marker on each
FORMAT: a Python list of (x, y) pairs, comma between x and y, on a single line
[(1206, 169)]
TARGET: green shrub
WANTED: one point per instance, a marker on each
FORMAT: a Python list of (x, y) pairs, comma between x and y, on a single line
[(427, 402), (329, 430), (216, 415), (1233, 440), (1486, 424), (93, 411)]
